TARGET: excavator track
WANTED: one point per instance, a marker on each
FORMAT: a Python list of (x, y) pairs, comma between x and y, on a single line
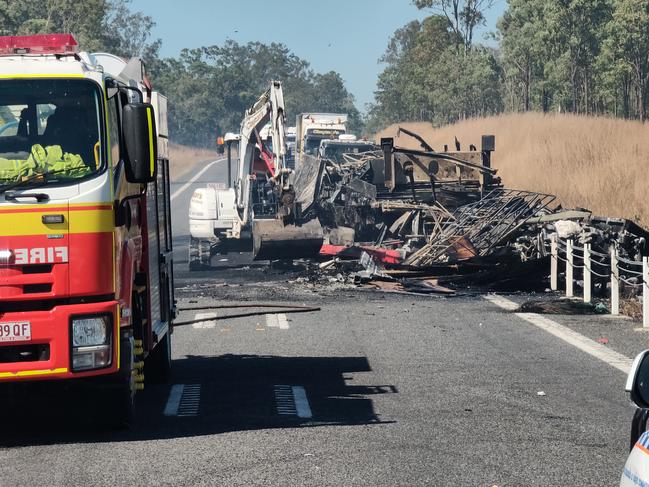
[(200, 252)]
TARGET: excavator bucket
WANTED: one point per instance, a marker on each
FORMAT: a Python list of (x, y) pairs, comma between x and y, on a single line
[(272, 239)]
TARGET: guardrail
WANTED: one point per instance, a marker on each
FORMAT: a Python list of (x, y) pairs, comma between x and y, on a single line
[(609, 266)]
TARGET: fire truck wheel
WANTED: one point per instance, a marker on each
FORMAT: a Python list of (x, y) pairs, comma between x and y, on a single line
[(120, 395), (157, 367)]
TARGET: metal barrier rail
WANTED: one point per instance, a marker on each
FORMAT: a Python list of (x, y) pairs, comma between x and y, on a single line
[(616, 268)]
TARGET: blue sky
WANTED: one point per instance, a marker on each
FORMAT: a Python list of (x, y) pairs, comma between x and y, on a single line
[(347, 36)]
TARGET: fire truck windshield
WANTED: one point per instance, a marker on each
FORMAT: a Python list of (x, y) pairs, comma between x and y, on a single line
[(49, 131)]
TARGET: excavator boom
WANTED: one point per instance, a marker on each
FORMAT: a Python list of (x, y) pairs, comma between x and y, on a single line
[(262, 203)]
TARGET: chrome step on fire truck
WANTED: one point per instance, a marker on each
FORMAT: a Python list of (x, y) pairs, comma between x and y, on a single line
[(86, 270)]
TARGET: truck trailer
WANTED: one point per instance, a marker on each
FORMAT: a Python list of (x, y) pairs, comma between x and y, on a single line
[(86, 267)]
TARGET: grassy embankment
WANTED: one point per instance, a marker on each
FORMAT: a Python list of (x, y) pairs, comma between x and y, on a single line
[(590, 162), (184, 160)]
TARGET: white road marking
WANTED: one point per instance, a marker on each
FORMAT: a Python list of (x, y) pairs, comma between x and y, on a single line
[(284, 401), (282, 321), (292, 401), (585, 344), (502, 302), (204, 324), (277, 321), (176, 392), (193, 179), (301, 402), (190, 400)]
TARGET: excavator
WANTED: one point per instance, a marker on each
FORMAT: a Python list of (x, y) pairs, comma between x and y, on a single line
[(257, 209)]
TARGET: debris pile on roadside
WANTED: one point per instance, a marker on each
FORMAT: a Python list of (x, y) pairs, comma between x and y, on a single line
[(421, 221)]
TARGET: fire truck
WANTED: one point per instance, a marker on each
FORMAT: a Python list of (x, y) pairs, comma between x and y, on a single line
[(86, 268)]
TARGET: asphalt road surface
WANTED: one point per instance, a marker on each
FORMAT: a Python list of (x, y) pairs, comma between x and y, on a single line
[(375, 389)]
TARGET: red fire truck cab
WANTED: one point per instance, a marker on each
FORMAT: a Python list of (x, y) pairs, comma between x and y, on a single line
[(86, 270)]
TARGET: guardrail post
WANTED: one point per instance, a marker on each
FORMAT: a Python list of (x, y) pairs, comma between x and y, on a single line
[(587, 274), (569, 269), (554, 263), (615, 283), (645, 292)]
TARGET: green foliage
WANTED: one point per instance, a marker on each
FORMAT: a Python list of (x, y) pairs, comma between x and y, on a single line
[(84, 19), (128, 33), (212, 87), (581, 56), (98, 25), (430, 76), (463, 16), (624, 61)]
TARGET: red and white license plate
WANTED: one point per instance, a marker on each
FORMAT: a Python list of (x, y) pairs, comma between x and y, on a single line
[(17, 331)]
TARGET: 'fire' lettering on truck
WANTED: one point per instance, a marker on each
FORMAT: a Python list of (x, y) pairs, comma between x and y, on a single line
[(49, 255)]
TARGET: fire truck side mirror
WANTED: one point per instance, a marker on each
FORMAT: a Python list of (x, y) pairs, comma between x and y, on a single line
[(140, 143)]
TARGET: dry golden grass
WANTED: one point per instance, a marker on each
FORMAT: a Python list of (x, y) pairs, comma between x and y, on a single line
[(183, 160), (590, 162)]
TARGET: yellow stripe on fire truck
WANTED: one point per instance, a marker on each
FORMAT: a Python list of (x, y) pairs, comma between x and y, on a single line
[(24, 223)]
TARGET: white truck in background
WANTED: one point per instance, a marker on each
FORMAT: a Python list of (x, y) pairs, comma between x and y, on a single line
[(312, 128)]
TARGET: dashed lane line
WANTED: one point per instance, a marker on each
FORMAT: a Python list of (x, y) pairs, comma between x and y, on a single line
[(173, 402), (180, 190), (282, 320), (277, 321), (184, 400), (301, 402), (284, 401), (201, 325), (292, 401), (577, 340), (190, 401)]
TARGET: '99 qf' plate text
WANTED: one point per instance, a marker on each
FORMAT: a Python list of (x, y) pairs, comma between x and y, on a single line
[(15, 332)]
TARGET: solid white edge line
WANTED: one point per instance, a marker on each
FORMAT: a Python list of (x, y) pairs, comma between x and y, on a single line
[(577, 340), (176, 392), (301, 402), (176, 193)]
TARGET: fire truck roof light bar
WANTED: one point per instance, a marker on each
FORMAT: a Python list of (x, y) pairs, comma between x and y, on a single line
[(38, 44)]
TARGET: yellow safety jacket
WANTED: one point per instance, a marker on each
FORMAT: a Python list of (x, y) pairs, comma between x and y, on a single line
[(43, 160)]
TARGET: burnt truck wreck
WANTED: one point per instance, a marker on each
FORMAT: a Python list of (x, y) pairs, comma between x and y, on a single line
[(362, 197), (444, 219)]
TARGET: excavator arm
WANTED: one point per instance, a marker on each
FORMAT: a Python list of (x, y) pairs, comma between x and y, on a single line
[(262, 202), (268, 108)]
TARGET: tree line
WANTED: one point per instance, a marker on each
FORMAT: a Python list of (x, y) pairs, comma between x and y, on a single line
[(579, 56), (209, 87)]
